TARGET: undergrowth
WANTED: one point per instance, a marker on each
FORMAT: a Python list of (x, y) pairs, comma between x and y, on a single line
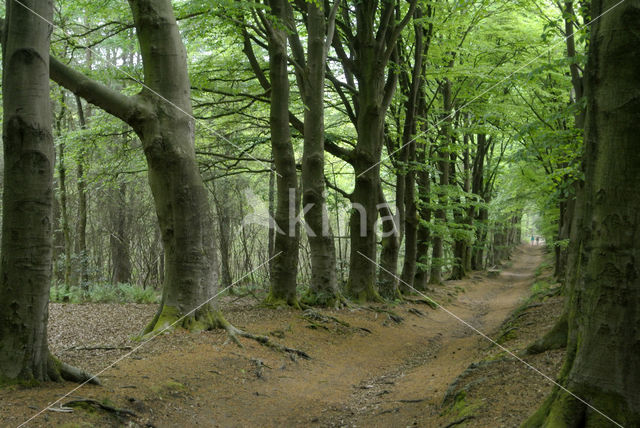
[(103, 293)]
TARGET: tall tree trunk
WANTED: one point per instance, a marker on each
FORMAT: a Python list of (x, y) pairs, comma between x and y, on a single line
[(387, 278), (25, 262), (411, 224), (182, 206), (161, 116), (64, 210), (284, 267), (481, 213), (323, 287), (423, 234), (271, 243), (462, 219), (224, 231), (437, 259), (118, 239), (601, 365), (414, 100), (361, 284), (81, 235), (373, 98)]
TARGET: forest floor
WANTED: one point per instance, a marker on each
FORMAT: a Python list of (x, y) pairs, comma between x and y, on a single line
[(429, 370)]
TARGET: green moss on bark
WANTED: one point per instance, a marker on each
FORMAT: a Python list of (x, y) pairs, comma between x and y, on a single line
[(272, 301), (170, 317)]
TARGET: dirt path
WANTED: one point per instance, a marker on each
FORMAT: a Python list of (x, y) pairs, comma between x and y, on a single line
[(396, 375)]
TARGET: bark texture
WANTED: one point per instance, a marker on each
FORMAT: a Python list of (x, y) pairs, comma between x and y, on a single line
[(25, 262), (602, 365), (323, 289), (284, 268)]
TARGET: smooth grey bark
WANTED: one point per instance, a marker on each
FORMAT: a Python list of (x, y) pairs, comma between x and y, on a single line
[(284, 268), (601, 363), (310, 74), (387, 275), (481, 214), (437, 259), (415, 89), (118, 239), (62, 185), (423, 234), (25, 261), (81, 228), (373, 45), (223, 214)]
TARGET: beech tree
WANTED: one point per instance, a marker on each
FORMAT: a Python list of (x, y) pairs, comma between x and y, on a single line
[(25, 261), (160, 114), (601, 361), (310, 74)]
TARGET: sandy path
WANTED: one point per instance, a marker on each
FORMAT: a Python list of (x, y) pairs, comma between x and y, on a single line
[(395, 376)]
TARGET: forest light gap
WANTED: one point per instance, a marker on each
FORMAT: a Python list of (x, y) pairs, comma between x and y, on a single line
[(149, 339), (483, 93), (132, 77), (448, 312)]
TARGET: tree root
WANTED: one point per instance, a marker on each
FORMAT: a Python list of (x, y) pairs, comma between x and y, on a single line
[(556, 338), (234, 333), (416, 312), (459, 421), (423, 301), (99, 348), (323, 299), (392, 315), (168, 318), (95, 404), (318, 320), (58, 371), (563, 410), (276, 302)]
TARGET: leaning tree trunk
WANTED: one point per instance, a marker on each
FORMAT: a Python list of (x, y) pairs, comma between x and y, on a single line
[(161, 116), (166, 130), (27, 208), (601, 364), (284, 267)]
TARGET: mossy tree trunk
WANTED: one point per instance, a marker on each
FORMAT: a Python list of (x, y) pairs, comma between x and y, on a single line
[(27, 208), (601, 366)]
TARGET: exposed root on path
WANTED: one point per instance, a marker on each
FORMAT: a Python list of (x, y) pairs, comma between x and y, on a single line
[(235, 333), (391, 314), (319, 320), (423, 301), (90, 403), (59, 370)]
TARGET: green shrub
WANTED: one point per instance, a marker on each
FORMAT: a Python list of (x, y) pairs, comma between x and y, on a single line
[(103, 293)]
